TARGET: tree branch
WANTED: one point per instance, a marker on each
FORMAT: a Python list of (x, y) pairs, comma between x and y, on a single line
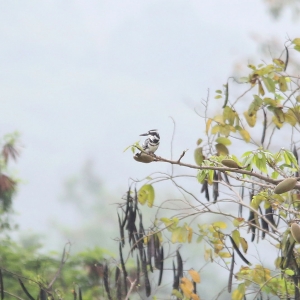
[(224, 169)]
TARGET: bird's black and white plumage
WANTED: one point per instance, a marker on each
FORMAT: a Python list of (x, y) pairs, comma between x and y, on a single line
[(151, 144)]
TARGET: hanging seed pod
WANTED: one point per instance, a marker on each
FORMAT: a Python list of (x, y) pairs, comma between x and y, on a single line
[(205, 189), (25, 290), (230, 163), (1, 285), (295, 230), (285, 186), (105, 279), (216, 186)]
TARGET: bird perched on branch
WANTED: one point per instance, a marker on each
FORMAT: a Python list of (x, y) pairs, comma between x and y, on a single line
[(151, 144)]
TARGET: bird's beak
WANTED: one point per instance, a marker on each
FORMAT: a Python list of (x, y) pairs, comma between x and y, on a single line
[(144, 134)]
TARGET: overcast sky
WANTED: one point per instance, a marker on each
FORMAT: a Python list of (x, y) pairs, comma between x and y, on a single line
[(82, 79)]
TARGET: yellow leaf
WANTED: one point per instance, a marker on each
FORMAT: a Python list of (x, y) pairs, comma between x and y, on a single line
[(170, 224), (224, 254), (236, 237), (208, 123), (270, 101), (244, 244), (277, 122), (215, 129), (238, 221), (219, 119), (208, 255), (261, 90), (195, 275), (179, 235), (142, 196), (282, 84), (195, 297), (218, 246), (245, 135), (219, 225), (225, 129), (251, 120), (237, 295), (187, 287), (279, 114), (290, 118), (190, 233), (146, 193)]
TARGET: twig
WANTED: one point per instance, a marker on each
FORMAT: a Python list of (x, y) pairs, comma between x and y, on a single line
[(132, 285), (17, 297), (62, 262), (181, 156)]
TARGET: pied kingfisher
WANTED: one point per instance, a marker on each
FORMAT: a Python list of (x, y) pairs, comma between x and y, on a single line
[(151, 144)]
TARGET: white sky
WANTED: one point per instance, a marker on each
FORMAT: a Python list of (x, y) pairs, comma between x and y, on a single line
[(82, 79)]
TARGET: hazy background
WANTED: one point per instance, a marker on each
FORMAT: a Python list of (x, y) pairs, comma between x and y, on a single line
[(80, 80)]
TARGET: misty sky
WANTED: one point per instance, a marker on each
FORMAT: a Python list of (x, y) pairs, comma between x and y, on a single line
[(80, 80)]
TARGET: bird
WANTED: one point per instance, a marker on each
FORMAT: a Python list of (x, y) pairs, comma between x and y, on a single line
[(151, 144)]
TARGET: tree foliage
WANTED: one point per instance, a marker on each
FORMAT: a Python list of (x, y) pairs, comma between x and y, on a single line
[(246, 162)]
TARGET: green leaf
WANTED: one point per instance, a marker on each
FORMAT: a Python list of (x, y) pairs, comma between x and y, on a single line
[(269, 83), (201, 175), (223, 140), (218, 91), (200, 238), (278, 62), (199, 141), (255, 105), (221, 149), (177, 294), (289, 272), (270, 101), (198, 155), (218, 97), (127, 148), (296, 41), (229, 115), (236, 237), (252, 67)]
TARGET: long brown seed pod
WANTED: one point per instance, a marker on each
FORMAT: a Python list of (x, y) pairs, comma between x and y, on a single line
[(25, 290), (231, 273), (239, 252), (105, 280), (161, 266)]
